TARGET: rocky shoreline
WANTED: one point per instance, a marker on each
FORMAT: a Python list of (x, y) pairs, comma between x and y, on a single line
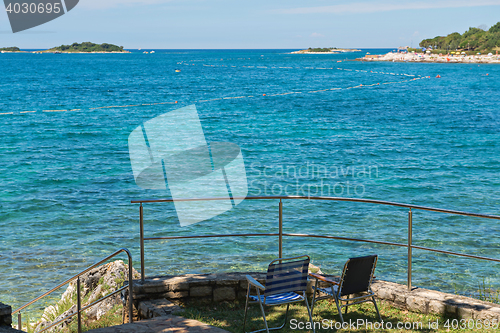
[(95, 284), (332, 51), (432, 58)]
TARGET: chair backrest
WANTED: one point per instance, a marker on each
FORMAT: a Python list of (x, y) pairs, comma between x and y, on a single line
[(287, 276), (357, 275)]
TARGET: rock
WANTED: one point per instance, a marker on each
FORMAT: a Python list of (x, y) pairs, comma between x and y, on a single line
[(315, 269), (5, 315), (69, 292), (50, 313), (45, 323), (95, 312), (95, 284)]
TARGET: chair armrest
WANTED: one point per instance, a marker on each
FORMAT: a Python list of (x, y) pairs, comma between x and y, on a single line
[(323, 278), (255, 283)]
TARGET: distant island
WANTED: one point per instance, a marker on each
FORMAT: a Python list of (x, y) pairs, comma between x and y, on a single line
[(10, 49), (87, 47), (475, 39), (325, 50)]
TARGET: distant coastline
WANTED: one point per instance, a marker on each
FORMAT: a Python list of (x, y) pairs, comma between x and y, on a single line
[(14, 52), (433, 58), (80, 52), (11, 49), (85, 47), (332, 50)]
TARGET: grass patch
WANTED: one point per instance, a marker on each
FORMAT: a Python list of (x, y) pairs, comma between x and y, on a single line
[(61, 307), (488, 293), (111, 318), (229, 316)]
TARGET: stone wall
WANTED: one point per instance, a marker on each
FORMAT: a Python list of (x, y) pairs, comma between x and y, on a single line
[(431, 301), (213, 288), (204, 288)]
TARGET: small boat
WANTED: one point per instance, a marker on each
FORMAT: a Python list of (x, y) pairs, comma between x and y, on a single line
[(152, 52)]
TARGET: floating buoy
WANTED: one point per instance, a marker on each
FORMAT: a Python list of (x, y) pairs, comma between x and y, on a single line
[(175, 102), (487, 74), (263, 94), (438, 76), (378, 84), (339, 60)]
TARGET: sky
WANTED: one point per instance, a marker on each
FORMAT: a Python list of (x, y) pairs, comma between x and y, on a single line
[(256, 24)]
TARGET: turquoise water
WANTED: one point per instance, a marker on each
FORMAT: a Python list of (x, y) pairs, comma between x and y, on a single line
[(66, 181)]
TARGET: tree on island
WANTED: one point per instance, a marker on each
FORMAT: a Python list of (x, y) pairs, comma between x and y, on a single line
[(319, 49), (474, 39), (88, 47), (10, 49)]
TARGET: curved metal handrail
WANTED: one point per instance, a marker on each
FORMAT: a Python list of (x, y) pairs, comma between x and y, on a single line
[(77, 276), (409, 245), (373, 201)]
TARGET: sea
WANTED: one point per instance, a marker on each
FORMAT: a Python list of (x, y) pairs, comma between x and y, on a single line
[(307, 125)]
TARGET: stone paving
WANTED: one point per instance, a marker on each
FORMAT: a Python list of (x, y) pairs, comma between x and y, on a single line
[(168, 323)]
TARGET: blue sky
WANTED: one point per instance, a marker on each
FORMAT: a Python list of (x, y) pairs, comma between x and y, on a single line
[(294, 24)]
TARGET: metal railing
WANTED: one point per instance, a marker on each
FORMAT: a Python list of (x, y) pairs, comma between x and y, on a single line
[(280, 233), (79, 304)]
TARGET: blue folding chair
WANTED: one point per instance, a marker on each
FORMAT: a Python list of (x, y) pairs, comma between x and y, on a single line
[(286, 282)]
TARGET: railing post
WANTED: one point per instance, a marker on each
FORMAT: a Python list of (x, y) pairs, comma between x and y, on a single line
[(410, 227), (142, 242), (19, 321), (281, 229), (130, 290), (79, 305)]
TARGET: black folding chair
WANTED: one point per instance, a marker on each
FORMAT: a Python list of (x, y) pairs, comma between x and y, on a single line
[(286, 282), (356, 279)]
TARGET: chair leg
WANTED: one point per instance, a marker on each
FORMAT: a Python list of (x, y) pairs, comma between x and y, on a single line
[(264, 316), (376, 308), (246, 307), (346, 305), (315, 290), (310, 312), (284, 322), (339, 309), (286, 316)]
